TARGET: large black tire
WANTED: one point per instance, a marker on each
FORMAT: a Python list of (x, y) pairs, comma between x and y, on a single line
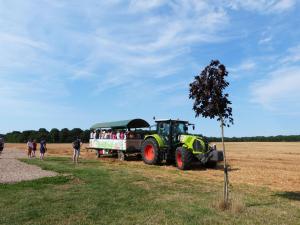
[(150, 152), (184, 158)]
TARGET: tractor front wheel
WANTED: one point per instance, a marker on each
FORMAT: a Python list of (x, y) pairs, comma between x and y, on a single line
[(150, 152), (183, 158)]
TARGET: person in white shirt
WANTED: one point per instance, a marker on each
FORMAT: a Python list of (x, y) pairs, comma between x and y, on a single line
[(29, 148)]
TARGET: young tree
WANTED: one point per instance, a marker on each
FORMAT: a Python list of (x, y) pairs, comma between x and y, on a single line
[(207, 91)]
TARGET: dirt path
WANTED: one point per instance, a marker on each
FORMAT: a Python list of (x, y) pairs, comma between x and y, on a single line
[(12, 170)]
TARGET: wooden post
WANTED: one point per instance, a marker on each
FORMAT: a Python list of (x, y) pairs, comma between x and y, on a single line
[(226, 182)]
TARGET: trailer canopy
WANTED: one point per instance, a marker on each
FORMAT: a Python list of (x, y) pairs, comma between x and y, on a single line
[(123, 124)]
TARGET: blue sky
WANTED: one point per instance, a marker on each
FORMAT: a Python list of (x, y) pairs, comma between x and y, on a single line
[(74, 63)]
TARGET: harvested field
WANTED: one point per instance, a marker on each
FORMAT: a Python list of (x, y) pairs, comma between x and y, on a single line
[(273, 165)]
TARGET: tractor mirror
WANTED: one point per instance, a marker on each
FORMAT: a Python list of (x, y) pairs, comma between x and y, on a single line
[(193, 127)]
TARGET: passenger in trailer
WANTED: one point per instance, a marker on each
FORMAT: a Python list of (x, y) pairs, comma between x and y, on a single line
[(93, 134), (97, 134), (112, 134)]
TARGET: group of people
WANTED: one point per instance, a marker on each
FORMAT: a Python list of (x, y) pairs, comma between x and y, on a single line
[(110, 134), (32, 147)]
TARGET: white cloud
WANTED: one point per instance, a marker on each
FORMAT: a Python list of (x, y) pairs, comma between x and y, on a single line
[(19, 40), (141, 5), (280, 91), (263, 6), (265, 40), (292, 55), (153, 46), (245, 66), (283, 5)]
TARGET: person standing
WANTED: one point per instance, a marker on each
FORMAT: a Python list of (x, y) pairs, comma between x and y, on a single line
[(1, 145), (34, 144), (43, 149), (29, 148), (76, 149)]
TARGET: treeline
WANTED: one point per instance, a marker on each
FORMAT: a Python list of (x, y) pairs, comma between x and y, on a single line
[(279, 138), (53, 136), (67, 136)]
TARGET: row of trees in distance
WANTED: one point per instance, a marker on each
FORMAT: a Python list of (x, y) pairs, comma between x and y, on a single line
[(278, 138), (67, 136), (53, 136)]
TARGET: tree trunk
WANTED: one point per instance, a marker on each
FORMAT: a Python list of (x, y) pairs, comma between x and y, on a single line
[(226, 181)]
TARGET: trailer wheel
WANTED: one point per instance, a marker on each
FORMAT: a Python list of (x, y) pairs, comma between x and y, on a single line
[(121, 155), (98, 153), (184, 158), (150, 152)]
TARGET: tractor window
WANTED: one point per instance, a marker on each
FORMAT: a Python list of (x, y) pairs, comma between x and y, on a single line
[(180, 128), (164, 129)]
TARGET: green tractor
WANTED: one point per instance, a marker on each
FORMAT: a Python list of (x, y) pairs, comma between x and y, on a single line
[(172, 143)]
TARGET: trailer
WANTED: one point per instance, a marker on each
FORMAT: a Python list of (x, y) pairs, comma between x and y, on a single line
[(107, 139)]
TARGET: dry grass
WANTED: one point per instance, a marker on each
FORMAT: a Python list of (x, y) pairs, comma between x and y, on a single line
[(235, 204), (273, 165)]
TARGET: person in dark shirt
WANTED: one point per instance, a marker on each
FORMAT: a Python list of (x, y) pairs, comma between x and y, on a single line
[(43, 149), (34, 144), (1, 145), (76, 149)]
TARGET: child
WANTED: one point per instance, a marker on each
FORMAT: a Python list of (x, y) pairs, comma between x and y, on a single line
[(34, 144), (29, 148)]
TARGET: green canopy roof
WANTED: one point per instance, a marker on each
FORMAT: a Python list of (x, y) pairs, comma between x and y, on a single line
[(123, 124)]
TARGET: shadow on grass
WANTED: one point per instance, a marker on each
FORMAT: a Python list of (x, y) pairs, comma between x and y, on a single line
[(289, 195), (197, 166), (260, 204)]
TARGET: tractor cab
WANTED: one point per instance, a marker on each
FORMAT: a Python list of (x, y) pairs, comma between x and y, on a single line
[(169, 130)]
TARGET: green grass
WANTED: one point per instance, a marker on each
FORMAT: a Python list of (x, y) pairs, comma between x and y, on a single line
[(94, 192)]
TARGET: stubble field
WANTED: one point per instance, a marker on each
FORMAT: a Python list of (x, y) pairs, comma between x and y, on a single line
[(272, 165)]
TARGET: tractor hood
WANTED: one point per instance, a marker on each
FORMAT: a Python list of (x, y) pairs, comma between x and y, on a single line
[(195, 143)]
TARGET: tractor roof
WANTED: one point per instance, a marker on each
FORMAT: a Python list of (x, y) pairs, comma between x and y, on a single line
[(122, 124), (165, 120)]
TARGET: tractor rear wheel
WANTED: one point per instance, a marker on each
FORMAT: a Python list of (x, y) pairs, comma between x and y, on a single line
[(150, 152), (183, 158)]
